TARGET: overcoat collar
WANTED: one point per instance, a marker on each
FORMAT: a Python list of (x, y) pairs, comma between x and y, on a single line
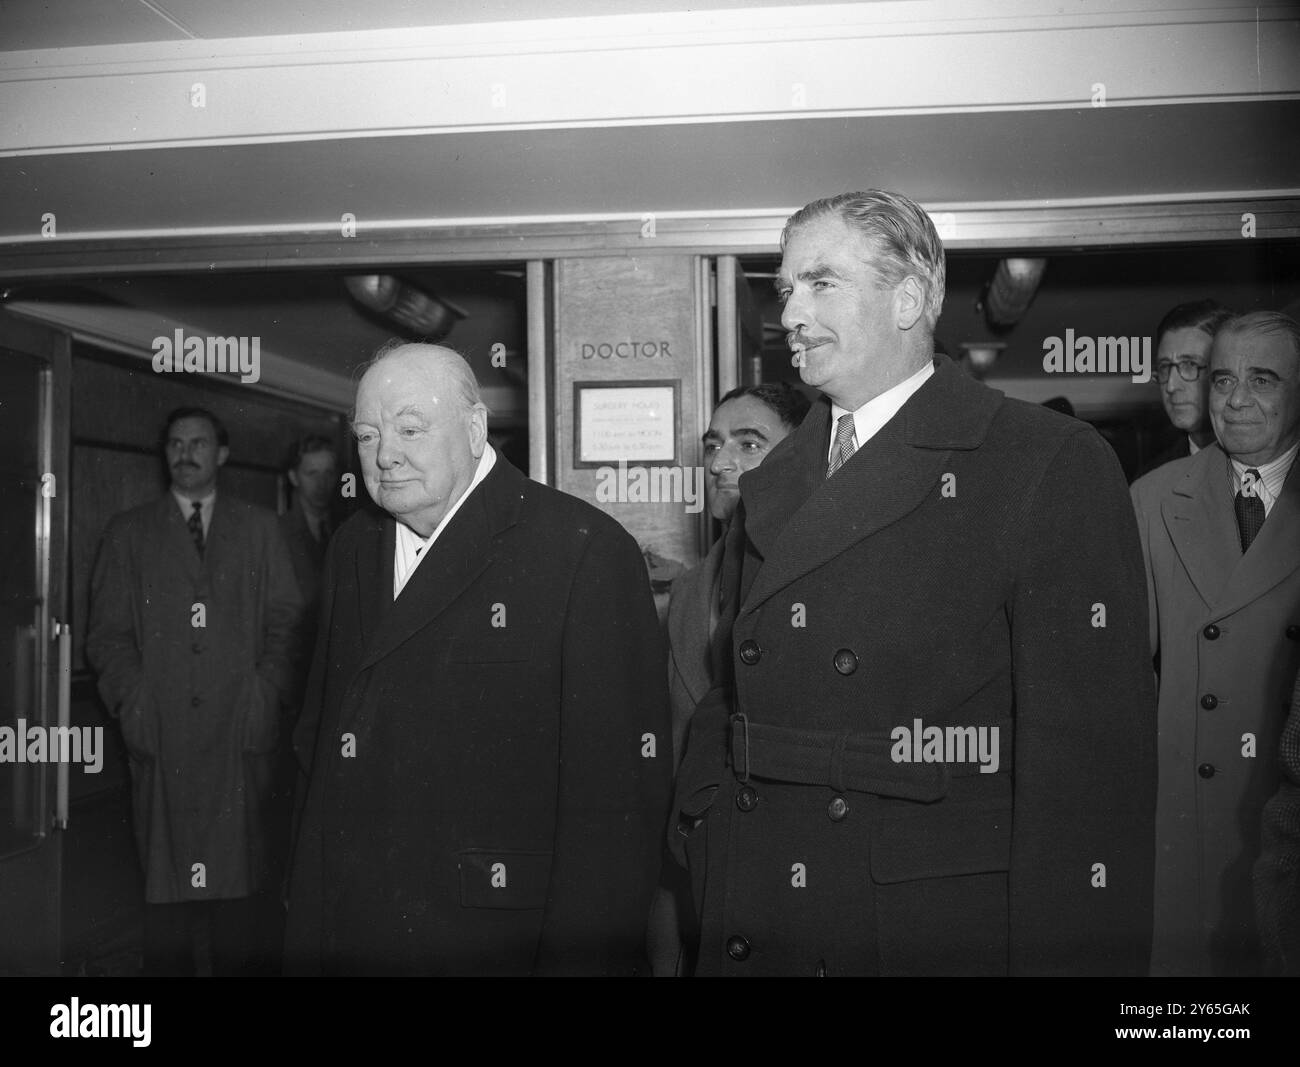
[(796, 519), (217, 543), (1198, 514), (463, 551)]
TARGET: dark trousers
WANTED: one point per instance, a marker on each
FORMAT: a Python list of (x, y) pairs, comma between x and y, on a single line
[(242, 936)]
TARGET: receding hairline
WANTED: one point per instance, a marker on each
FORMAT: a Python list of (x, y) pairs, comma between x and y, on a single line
[(434, 364)]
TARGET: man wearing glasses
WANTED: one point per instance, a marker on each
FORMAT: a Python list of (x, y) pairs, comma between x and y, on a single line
[(1221, 536), (1183, 341)]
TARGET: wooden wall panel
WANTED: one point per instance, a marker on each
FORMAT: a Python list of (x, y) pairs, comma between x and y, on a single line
[(628, 320)]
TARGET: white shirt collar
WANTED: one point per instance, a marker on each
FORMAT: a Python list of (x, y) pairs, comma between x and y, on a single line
[(410, 548), (1271, 476), (206, 504), (869, 419)]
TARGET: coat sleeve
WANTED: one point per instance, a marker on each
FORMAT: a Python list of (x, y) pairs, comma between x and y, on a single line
[(1142, 505), (1277, 871), (615, 767), (112, 644), (1082, 859), (283, 614)]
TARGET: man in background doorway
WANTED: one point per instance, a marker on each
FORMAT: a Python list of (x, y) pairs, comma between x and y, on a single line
[(1183, 341), (193, 619)]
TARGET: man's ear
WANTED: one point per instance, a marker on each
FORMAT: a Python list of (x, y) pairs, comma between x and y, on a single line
[(293, 478), (909, 302), (478, 429), (223, 454)]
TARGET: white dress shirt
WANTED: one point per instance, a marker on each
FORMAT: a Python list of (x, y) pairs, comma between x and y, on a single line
[(869, 419), (1271, 476), (205, 509), (410, 548)]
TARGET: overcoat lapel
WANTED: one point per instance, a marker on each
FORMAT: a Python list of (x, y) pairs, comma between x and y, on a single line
[(798, 519), (463, 551), (1202, 528), (176, 540), (1275, 552)]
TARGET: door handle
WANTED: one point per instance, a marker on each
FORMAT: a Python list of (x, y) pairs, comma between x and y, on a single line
[(63, 635)]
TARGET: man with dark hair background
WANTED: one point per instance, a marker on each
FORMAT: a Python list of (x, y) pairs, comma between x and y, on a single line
[(193, 626), (1183, 341)]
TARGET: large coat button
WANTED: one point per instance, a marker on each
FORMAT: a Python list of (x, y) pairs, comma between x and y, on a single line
[(750, 653), (738, 949), (1211, 632), (1206, 770), (1293, 632), (846, 661), (837, 809), (1209, 702), (746, 798)]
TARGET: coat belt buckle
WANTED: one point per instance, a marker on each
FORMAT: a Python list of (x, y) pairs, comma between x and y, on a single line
[(741, 718)]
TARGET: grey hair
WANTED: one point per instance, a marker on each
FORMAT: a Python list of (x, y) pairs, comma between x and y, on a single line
[(457, 366), (901, 233), (1263, 323)]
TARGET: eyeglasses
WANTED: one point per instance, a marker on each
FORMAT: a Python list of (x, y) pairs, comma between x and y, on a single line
[(1188, 370)]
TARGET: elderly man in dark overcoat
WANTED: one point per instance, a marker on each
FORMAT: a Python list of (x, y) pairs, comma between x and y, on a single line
[(937, 754), (486, 721)]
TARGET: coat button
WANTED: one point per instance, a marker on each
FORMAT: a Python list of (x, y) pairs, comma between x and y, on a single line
[(196, 648), (750, 653), (1293, 632), (738, 948), (1209, 702), (837, 809), (746, 798), (195, 701), (846, 662), (1206, 770), (1211, 632)]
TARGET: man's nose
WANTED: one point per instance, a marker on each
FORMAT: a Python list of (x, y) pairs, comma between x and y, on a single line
[(1241, 396), (388, 454), (723, 460), (794, 315)]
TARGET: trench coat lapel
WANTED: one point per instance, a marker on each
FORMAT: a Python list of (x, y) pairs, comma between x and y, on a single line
[(798, 519), (1198, 515), (463, 551)]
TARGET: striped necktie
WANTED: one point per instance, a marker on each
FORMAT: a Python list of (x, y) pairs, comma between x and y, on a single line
[(845, 443)]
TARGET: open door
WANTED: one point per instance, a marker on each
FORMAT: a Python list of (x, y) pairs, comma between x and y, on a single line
[(35, 642)]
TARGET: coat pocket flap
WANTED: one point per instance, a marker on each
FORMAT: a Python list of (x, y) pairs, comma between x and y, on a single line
[(943, 841), (511, 879)]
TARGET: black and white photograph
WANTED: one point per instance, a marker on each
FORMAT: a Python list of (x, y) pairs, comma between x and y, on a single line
[(579, 489)]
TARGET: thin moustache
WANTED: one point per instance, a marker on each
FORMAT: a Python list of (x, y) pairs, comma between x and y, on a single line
[(794, 341)]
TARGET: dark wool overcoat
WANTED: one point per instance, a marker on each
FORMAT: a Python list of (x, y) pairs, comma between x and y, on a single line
[(489, 753), (974, 566)]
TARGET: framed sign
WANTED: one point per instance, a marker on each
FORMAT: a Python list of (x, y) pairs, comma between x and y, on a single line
[(635, 422)]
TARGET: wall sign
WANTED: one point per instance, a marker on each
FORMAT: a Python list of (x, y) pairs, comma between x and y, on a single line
[(634, 422)]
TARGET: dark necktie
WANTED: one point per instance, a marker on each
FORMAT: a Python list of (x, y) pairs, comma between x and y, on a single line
[(1249, 508), (845, 445), (195, 523)]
